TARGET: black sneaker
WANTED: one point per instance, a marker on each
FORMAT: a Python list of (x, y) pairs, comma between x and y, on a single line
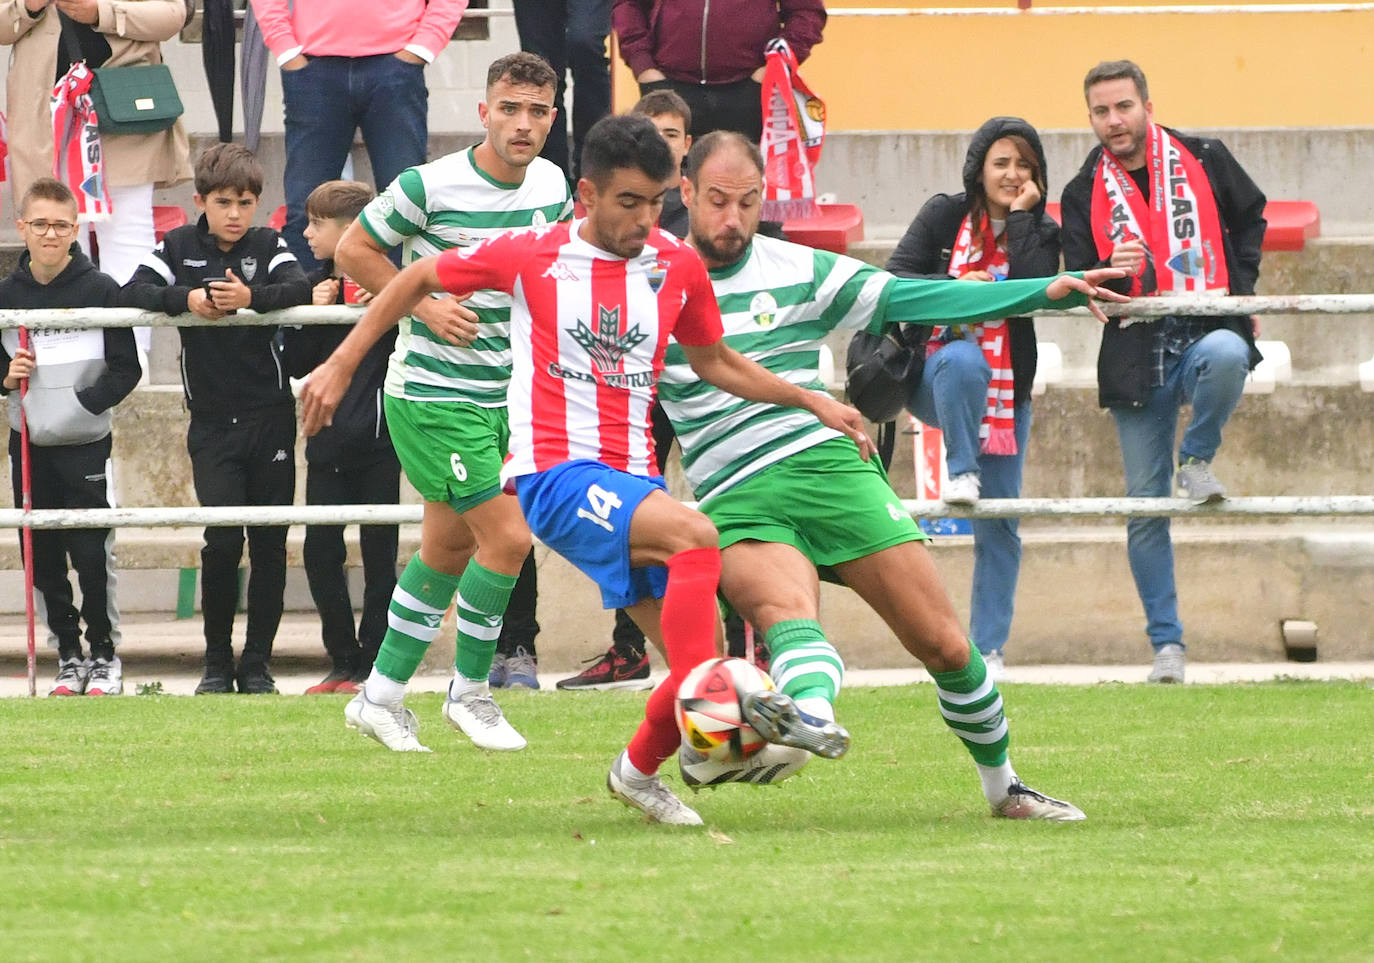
[(254, 679), (611, 670), (217, 680)]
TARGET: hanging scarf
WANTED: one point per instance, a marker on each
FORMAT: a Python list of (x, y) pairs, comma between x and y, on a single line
[(4, 149), (77, 158), (997, 433), (793, 130), (1179, 225)]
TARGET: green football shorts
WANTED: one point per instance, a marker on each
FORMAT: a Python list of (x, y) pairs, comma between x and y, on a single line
[(825, 501), (451, 450)]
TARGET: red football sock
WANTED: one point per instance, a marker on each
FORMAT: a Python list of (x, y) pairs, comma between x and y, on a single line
[(689, 635)]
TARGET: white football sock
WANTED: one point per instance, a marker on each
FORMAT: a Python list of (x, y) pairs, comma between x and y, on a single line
[(996, 780), (383, 691)]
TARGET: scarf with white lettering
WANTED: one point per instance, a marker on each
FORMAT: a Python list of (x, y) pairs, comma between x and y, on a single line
[(793, 131), (997, 433), (1179, 225), (77, 158)]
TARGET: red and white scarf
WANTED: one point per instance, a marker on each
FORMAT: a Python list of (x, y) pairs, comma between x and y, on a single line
[(793, 131), (77, 158), (997, 433), (1179, 225)]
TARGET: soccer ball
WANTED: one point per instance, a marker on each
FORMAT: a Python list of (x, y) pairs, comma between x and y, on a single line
[(709, 713)]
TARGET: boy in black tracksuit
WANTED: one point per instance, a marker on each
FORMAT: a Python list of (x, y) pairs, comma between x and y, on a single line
[(242, 434), (75, 377), (351, 461)]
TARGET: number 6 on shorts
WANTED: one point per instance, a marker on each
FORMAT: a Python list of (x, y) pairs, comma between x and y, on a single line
[(603, 503)]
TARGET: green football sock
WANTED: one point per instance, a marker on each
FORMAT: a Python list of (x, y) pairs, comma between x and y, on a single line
[(972, 707), (482, 599), (805, 665), (417, 606)]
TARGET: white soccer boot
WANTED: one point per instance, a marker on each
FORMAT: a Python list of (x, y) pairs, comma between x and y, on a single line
[(650, 796), (771, 764), (1023, 802), (477, 716), (393, 726)]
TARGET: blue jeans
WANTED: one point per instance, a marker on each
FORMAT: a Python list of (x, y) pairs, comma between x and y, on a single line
[(952, 396), (325, 102), (1208, 376), (571, 36)]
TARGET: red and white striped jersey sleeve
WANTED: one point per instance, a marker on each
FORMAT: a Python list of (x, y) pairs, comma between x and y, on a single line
[(491, 265)]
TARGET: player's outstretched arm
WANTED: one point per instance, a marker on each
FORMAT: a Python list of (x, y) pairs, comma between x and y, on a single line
[(325, 386), (1091, 285), (731, 371)]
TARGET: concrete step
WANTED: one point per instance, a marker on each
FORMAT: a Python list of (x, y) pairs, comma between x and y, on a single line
[(1076, 602)]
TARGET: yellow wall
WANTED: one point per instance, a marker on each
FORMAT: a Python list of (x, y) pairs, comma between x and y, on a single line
[(952, 73)]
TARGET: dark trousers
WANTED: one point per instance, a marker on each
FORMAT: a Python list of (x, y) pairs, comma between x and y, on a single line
[(324, 103), (520, 625), (737, 106), (571, 36), (351, 648), (72, 476), (245, 461)]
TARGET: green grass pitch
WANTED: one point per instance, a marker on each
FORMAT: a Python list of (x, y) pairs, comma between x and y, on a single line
[(1224, 823)]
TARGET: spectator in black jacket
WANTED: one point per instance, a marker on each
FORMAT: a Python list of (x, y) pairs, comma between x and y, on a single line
[(350, 461), (1207, 238), (75, 378), (242, 435), (976, 386)]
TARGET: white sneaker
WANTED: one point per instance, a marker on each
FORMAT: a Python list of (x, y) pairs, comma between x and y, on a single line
[(72, 675), (962, 490), (393, 726), (1023, 802), (107, 677), (769, 765), (655, 800), (477, 716), (996, 665), (1169, 663)]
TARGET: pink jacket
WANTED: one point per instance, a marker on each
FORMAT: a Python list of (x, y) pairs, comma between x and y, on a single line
[(357, 28)]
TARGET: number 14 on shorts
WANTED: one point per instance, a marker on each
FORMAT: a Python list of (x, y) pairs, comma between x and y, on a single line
[(603, 503)]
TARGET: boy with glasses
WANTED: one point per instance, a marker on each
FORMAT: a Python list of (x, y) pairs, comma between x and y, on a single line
[(75, 377)]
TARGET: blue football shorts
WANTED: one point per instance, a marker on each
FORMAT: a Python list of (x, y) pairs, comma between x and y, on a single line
[(582, 510)]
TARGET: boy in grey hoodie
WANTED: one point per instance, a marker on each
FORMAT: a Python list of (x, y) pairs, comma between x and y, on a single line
[(75, 377)]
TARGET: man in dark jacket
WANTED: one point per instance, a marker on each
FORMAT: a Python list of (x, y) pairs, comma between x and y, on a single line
[(1206, 239), (242, 436), (713, 58)]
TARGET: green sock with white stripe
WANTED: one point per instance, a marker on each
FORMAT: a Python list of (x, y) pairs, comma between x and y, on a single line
[(805, 665), (482, 599), (417, 607), (972, 707)]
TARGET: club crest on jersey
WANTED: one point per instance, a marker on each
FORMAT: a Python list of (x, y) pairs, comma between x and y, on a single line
[(538, 220), (250, 268), (658, 274), (383, 206), (606, 346), (764, 308)]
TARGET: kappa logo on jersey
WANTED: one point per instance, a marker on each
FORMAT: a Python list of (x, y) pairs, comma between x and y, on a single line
[(250, 268), (658, 274), (764, 308), (560, 272)]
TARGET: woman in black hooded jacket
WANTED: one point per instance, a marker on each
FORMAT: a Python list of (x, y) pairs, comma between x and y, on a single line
[(976, 385)]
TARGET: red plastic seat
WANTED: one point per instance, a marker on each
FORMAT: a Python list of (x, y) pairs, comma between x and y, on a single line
[(166, 219), (278, 219), (1291, 224), (834, 229)]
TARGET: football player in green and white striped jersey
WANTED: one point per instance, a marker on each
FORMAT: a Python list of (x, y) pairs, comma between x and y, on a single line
[(790, 496), (445, 398)]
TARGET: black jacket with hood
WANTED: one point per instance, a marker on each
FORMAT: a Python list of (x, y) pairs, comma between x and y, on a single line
[(357, 435), (1125, 362), (81, 374), (1032, 239), (229, 370)]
